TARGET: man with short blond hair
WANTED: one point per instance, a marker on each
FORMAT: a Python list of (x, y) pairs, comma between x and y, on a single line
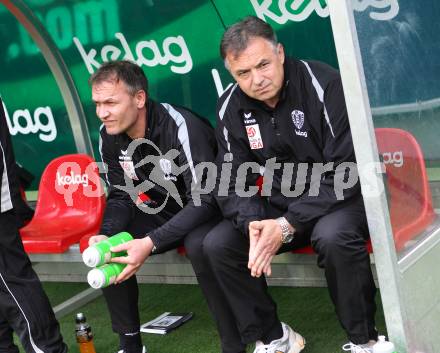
[(150, 151)]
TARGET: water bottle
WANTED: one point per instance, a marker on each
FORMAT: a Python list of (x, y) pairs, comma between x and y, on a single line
[(84, 335), (383, 346), (104, 275), (99, 254)]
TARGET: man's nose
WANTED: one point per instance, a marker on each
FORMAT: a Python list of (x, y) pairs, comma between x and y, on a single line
[(257, 78), (102, 112)]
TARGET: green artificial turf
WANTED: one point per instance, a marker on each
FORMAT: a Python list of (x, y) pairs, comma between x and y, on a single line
[(308, 310)]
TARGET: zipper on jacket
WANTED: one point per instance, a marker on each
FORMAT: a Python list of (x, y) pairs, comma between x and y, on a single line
[(275, 126), (277, 145)]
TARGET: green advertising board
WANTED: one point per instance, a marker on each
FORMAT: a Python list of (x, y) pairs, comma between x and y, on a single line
[(175, 42)]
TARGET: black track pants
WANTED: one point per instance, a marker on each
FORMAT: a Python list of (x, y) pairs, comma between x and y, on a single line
[(24, 307), (338, 238), (124, 313)]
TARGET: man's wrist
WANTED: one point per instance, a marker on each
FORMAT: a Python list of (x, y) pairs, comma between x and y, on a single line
[(149, 243), (287, 231)]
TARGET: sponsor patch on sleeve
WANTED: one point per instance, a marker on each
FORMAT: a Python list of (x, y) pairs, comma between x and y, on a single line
[(254, 136), (128, 168)]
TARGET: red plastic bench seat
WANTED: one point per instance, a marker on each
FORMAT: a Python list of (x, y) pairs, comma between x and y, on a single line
[(70, 205)]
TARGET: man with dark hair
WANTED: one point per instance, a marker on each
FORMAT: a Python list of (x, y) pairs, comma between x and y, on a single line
[(289, 118), (152, 148), (24, 307)]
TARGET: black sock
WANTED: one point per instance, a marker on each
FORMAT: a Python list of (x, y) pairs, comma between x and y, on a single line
[(274, 333), (130, 342)]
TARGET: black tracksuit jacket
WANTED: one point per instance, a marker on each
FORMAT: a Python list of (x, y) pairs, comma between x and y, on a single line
[(168, 128), (24, 307), (309, 125), (8, 180)]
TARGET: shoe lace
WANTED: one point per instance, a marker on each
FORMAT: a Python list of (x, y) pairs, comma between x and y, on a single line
[(354, 348), (261, 349), (264, 348)]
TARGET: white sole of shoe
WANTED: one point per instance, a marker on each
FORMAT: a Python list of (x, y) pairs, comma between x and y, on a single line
[(296, 343)]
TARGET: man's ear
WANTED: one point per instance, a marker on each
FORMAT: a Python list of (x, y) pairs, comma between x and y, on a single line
[(141, 98), (280, 52)]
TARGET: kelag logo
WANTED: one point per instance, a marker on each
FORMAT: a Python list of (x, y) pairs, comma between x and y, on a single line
[(147, 53), (300, 10), (394, 158), (23, 122), (72, 179)]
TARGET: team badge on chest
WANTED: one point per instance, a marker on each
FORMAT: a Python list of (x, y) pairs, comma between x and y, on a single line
[(298, 118), (298, 121), (254, 136)]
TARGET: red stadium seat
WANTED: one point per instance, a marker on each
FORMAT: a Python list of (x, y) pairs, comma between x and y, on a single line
[(411, 209), (410, 200), (70, 205)]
